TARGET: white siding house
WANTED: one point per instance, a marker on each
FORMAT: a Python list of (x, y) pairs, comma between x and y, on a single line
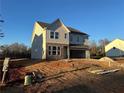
[(115, 48)]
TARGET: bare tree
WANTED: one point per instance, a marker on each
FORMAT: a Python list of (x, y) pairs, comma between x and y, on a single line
[(16, 50), (1, 21), (102, 44), (93, 48), (98, 50)]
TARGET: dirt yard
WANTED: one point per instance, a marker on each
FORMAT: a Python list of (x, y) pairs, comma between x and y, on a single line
[(64, 76)]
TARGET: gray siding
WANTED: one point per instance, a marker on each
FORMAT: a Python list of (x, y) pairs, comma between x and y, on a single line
[(77, 38), (115, 53), (37, 48)]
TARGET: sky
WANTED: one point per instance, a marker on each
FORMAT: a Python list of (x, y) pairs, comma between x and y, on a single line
[(98, 18)]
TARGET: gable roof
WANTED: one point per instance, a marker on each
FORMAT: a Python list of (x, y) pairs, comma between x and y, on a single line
[(117, 43), (54, 25), (57, 23)]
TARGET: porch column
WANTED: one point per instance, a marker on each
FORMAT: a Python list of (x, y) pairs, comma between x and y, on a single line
[(87, 54), (68, 52)]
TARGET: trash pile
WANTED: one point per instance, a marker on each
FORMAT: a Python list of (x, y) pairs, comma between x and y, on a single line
[(33, 77)]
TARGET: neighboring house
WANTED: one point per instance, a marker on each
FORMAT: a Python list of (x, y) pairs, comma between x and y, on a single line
[(57, 41), (115, 48)]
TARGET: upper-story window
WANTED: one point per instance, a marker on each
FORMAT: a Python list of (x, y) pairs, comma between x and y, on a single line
[(52, 35), (56, 35), (65, 35), (77, 38), (71, 38)]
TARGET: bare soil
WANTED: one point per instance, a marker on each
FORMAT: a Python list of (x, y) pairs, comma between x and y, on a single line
[(66, 77)]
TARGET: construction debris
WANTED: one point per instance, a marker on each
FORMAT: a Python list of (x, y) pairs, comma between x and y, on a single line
[(101, 72), (108, 71), (28, 79), (95, 71)]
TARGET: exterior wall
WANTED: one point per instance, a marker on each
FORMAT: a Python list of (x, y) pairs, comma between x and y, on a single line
[(74, 38), (61, 40), (55, 57), (38, 43), (116, 43), (115, 48), (115, 53)]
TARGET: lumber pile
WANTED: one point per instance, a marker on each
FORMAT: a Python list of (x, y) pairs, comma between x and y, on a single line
[(102, 72)]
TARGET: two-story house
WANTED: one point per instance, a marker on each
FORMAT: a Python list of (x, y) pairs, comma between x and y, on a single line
[(57, 41)]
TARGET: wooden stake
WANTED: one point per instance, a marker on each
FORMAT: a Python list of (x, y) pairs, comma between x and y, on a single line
[(5, 68), (3, 78)]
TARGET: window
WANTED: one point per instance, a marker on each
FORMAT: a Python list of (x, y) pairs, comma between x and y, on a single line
[(50, 50), (52, 35), (50, 53), (56, 35), (71, 38), (77, 38), (65, 36), (54, 47), (54, 50)]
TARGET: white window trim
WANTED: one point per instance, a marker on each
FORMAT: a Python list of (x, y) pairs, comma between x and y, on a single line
[(51, 54), (50, 35), (54, 35)]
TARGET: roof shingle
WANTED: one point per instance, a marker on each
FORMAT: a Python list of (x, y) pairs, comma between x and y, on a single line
[(57, 23)]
